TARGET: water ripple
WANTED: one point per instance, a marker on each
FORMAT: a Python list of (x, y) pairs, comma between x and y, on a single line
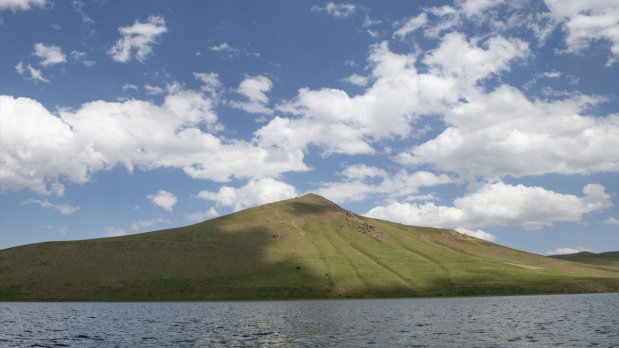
[(554, 320)]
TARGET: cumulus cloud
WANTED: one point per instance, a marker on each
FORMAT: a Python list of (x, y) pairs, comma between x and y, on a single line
[(39, 148), (62, 208), (361, 181), (500, 204), (163, 199), (586, 22), (357, 80), (255, 192), (563, 251), (611, 221), (338, 123), (477, 234), (336, 10), (400, 94), (472, 8), (138, 38), (49, 55), (254, 88), (474, 63), (503, 133), (21, 5)]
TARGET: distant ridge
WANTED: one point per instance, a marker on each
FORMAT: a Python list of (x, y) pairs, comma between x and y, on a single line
[(306, 247), (607, 260)]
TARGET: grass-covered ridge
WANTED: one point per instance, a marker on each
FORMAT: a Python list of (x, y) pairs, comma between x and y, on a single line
[(305, 247)]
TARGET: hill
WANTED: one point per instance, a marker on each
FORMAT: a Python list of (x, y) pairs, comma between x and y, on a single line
[(606, 261), (306, 247)]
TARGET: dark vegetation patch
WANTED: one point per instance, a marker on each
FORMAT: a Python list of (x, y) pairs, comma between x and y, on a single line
[(303, 248)]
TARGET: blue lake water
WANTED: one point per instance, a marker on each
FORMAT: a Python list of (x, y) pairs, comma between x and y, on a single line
[(515, 321)]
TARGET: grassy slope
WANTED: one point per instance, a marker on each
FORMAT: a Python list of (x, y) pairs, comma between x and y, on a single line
[(305, 247), (605, 261)]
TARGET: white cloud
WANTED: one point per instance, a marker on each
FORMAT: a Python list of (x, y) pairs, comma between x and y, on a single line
[(81, 57), (336, 10), (356, 80), (388, 109), (139, 38), (36, 74), (254, 88), (147, 223), (472, 8), (38, 148), (62, 208), (255, 192), (368, 22), (338, 123), (611, 221), (128, 86), (503, 133), (477, 234), (163, 199), (114, 232), (20, 68), (552, 74), (586, 22), (363, 171), (50, 55), (412, 25), (230, 52), (79, 8), (222, 47), (153, 90), (563, 251), (77, 55), (500, 205), (362, 181), (21, 5), (210, 82), (201, 216), (31, 142), (474, 63), (449, 18), (372, 33)]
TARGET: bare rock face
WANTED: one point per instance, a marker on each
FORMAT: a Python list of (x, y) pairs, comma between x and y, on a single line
[(355, 223)]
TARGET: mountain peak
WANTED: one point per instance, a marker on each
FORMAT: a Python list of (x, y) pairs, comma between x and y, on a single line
[(316, 197), (313, 198), (304, 247)]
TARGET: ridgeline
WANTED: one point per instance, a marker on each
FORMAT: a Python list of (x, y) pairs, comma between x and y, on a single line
[(301, 248)]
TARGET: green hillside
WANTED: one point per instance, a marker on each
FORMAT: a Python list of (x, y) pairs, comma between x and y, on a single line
[(605, 261), (305, 247)]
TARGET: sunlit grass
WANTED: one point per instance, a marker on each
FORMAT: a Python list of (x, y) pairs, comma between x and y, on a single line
[(301, 248)]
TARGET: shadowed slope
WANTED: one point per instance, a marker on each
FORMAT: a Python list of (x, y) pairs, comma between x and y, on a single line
[(305, 247)]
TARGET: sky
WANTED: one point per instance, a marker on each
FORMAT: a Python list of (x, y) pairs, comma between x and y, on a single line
[(499, 119)]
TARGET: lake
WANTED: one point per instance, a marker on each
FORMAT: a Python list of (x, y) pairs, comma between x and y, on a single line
[(513, 321)]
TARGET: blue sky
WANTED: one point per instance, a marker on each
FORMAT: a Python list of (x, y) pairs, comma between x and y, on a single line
[(499, 119)]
